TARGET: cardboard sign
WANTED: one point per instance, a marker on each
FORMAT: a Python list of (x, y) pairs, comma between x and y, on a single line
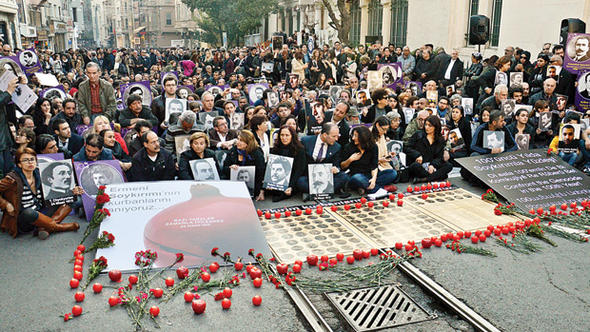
[(530, 179), (278, 172), (58, 180), (93, 174), (181, 217)]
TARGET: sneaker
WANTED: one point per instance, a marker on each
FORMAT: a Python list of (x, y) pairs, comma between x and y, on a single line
[(391, 188), (343, 194)]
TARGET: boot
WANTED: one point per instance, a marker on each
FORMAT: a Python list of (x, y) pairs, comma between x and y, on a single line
[(49, 225), (61, 213)]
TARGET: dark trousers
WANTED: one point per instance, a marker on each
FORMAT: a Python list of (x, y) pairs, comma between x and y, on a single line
[(441, 173), (6, 162)]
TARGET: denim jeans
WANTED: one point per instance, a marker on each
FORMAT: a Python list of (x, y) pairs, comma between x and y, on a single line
[(384, 178), (569, 158)]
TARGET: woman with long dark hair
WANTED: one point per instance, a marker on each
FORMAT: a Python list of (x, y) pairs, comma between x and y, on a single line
[(259, 127), (246, 152), (360, 157), (425, 153), (41, 116), (287, 144), (386, 174), (458, 120)]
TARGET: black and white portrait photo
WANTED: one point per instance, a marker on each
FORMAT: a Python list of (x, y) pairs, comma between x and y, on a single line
[(395, 147), (28, 58), (321, 179), (578, 49), (508, 106), (278, 172), (522, 141), (545, 121), (58, 180), (236, 121), (220, 156), (584, 85), (493, 139), (255, 92), (335, 92), (141, 89), (467, 104), (181, 143), (408, 113), (206, 118), (374, 80), (215, 90), (516, 79), (501, 78), (272, 99), (174, 105), (52, 93), (99, 174), (10, 65), (244, 174), (204, 169), (183, 92)]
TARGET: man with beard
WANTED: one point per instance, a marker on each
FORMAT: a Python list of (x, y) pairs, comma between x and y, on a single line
[(152, 163)]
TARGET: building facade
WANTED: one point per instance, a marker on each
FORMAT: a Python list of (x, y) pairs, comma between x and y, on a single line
[(527, 24), (9, 23)]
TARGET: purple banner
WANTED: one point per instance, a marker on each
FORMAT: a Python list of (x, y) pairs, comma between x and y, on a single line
[(12, 64), (255, 91), (391, 74), (139, 88), (29, 61), (93, 174), (54, 92), (582, 97), (577, 53)]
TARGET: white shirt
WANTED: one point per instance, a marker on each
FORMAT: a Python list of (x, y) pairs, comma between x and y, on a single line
[(265, 146), (316, 149), (63, 144), (221, 138), (449, 68)]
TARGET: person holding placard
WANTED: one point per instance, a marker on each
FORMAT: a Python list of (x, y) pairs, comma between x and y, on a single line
[(246, 152), (496, 123), (199, 143), (21, 201), (520, 125), (458, 121), (567, 143), (360, 157), (288, 145)]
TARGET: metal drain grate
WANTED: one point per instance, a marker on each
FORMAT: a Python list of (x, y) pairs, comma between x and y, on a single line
[(369, 309)]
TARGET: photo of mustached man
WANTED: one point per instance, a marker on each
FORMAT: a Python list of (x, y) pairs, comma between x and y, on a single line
[(58, 180)]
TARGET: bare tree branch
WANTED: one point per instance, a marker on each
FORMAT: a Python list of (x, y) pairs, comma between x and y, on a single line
[(331, 13)]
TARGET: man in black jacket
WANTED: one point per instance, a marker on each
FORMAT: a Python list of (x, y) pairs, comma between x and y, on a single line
[(338, 117), (152, 163), (67, 142), (158, 106)]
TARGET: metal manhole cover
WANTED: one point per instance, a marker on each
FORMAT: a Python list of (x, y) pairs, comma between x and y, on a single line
[(374, 308)]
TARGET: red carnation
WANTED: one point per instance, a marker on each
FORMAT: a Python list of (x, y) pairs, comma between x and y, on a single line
[(179, 257), (214, 251)]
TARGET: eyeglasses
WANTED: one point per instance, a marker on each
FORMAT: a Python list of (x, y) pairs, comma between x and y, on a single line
[(28, 160)]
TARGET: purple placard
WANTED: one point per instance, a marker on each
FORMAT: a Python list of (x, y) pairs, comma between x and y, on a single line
[(12, 64), (391, 73), (51, 93), (142, 88), (49, 157), (184, 90), (92, 174), (29, 61), (216, 89), (577, 53), (582, 97), (255, 91)]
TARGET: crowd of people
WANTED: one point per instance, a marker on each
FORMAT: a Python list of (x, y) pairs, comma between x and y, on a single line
[(424, 115)]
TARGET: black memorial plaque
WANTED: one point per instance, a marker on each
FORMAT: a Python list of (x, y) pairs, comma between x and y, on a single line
[(530, 179)]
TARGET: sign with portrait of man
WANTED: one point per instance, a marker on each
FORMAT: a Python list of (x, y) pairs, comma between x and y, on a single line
[(174, 105), (183, 91), (321, 180), (516, 79), (29, 61), (582, 96), (278, 172), (501, 78), (55, 92), (206, 118), (545, 121), (467, 104), (11, 64), (141, 89), (181, 143), (508, 106), (577, 53), (272, 99), (236, 121), (374, 80), (256, 91), (315, 120), (335, 91), (456, 139), (93, 174), (216, 89), (391, 73), (204, 169), (58, 180), (493, 139), (408, 114), (363, 97), (522, 141), (244, 174)]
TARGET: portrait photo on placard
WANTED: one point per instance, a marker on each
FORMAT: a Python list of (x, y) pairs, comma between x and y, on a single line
[(28, 58), (335, 91), (363, 97), (522, 141), (256, 91), (493, 139), (244, 174), (408, 114), (141, 89), (321, 179), (58, 180), (395, 146), (278, 172), (267, 67), (174, 106), (545, 119), (467, 104), (99, 174), (374, 80), (569, 136), (181, 143), (183, 92), (501, 78), (220, 156), (584, 85), (578, 48), (52, 93), (11, 64), (206, 118), (516, 79), (204, 169), (561, 102), (49, 157), (456, 139), (508, 106), (272, 99), (236, 121), (215, 90)]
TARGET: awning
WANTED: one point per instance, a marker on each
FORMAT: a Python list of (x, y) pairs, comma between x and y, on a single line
[(138, 29)]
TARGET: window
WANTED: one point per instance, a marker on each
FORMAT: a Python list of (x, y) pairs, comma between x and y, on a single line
[(355, 18), (375, 18), (168, 18), (75, 14), (496, 18), (473, 7), (399, 22)]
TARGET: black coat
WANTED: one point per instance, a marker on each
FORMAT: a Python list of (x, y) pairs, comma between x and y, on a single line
[(257, 160), (420, 146), (144, 169), (299, 163), (184, 168)]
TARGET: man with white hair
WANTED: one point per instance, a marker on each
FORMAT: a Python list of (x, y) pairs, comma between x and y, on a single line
[(495, 101), (186, 125), (547, 94)]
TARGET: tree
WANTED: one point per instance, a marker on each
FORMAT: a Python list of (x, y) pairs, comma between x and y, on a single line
[(342, 22), (235, 17)]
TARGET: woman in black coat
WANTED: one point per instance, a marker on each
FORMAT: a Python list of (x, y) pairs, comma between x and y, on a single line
[(246, 152), (288, 145), (198, 143), (425, 152), (379, 108), (459, 121), (41, 114)]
